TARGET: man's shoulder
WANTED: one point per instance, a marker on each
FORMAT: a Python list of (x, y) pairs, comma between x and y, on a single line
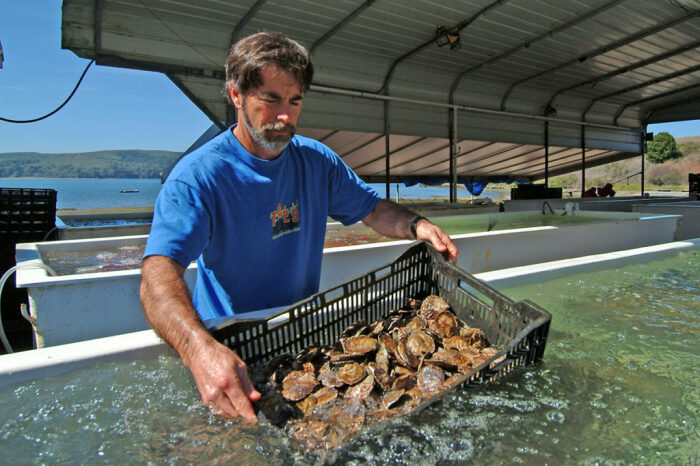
[(311, 146), (207, 157)]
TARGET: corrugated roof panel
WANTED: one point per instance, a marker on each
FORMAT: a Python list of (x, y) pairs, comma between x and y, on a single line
[(519, 56)]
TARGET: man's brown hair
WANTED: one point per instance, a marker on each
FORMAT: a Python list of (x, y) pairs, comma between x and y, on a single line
[(250, 55)]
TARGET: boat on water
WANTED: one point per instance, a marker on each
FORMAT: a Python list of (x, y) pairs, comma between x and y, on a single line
[(128, 190)]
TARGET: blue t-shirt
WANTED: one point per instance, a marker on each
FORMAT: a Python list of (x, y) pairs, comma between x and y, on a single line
[(255, 227)]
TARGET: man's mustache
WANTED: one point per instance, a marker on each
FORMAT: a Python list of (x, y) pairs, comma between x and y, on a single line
[(279, 126)]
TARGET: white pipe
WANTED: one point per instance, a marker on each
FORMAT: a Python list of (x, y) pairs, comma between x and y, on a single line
[(529, 116), (4, 278)]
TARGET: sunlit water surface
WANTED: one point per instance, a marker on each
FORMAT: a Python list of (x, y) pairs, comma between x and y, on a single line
[(618, 385)]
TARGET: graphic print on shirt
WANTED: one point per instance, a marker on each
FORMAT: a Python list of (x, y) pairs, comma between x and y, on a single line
[(285, 219)]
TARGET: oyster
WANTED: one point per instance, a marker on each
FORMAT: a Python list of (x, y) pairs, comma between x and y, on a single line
[(299, 384), (430, 377), (475, 336), (432, 305), (361, 344), (362, 389), (376, 371), (444, 323), (351, 373), (328, 377), (391, 397)]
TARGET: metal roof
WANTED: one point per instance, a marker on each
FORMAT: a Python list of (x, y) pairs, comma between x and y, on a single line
[(527, 83)]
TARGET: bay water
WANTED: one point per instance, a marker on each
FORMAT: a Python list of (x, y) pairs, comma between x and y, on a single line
[(100, 193)]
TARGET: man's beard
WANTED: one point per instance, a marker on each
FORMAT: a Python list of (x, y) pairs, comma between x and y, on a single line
[(264, 136)]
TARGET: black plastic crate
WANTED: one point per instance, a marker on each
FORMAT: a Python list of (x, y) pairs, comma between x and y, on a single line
[(27, 214), (694, 185), (535, 191), (518, 330)]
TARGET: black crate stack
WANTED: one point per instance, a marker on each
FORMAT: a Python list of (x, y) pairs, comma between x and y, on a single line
[(26, 215), (694, 186), (534, 191)]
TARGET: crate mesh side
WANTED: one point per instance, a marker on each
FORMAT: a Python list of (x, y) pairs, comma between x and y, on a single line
[(321, 319)]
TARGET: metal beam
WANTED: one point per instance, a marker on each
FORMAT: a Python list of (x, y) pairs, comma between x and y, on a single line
[(672, 104), (395, 151), (529, 42), (97, 31), (331, 133), (195, 100), (583, 160), (654, 97), (208, 73), (495, 153), (526, 163), (420, 156), (340, 25), (363, 145), (453, 155), (458, 156), (466, 108), (459, 28), (640, 86), (625, 69), (245, 20), (546, 154), (599, 51), (387, 148)]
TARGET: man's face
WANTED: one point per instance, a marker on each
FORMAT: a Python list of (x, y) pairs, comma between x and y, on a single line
[(270, 112)]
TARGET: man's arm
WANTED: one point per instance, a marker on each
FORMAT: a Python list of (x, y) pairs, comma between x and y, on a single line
[(394, 220), (221, 376)]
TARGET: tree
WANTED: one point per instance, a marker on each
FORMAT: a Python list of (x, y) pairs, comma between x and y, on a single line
[(662, 148)]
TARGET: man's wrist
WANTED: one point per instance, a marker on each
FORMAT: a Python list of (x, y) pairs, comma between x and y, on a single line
[(414, 225)]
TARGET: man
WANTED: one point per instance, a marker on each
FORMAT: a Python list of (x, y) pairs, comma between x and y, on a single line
[(251, 207)]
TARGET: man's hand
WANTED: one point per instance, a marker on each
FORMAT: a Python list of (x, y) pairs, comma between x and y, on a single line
[(222, 379), (427, 231), (394, 220), (220, 375)]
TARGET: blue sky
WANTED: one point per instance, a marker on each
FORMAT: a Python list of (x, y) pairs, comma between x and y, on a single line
[(113, 108)]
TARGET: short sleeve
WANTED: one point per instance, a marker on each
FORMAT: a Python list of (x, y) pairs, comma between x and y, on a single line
[(349, 198), (181, 227)]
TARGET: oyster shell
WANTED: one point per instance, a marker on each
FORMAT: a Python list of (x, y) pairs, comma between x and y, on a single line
[(299, 384), (362, 389), (361, 344), (351, 373)]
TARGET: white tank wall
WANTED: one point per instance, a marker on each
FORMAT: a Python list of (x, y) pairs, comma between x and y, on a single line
[(86, 306), (689, 225), (610, 204), (44, 362)]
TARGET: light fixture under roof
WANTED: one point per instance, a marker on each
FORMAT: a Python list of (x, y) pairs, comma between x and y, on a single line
[(444, 36)]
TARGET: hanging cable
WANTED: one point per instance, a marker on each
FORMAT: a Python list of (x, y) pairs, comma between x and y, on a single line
[(9, 120), (4, 278)]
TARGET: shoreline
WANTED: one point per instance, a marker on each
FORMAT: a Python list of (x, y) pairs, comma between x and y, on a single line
[(435, 202)]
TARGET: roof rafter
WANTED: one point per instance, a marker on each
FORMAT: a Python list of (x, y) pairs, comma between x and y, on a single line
[(459, 27), (625, 69), (640, 86), (654, 97), (331, 32), (600, 51), (528, 43)]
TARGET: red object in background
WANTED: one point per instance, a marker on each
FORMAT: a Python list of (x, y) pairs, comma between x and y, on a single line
[(606, 191), (591, 192)]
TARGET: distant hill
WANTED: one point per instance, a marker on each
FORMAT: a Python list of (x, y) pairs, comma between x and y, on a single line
[(100, 164), (670, 173)]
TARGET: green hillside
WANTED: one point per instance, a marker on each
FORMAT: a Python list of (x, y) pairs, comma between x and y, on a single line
[(100, 164), (625, 174)]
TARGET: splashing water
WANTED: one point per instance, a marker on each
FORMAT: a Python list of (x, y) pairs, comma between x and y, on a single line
[(618, 385)]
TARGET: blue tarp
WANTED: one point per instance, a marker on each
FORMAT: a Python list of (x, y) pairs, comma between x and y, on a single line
[(475, 187)]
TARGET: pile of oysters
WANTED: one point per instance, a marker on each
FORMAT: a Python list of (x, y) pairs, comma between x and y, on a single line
[(326, 394)]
